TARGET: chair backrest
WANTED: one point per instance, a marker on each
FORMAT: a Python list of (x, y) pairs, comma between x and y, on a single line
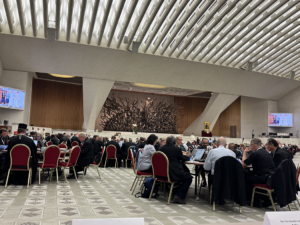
[(49, 143), (298, 173), (74, 143), (74, 155), (160, 165), (111, 152), (20, 156), (62, 145), (132, 160), (51, 155), (8, 142), (102, 153), (128, 153)]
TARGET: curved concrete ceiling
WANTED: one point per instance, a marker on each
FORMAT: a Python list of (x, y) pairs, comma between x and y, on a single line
[(229, 33)]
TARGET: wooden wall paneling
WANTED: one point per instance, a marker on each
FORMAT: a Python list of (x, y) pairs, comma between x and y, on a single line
[(57, 105)]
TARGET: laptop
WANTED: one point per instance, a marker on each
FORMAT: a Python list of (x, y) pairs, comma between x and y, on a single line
[(201, 153), (35, 142), (3, 147)]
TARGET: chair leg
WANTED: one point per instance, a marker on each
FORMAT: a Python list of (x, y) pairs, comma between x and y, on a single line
[(210, 195), (170, 193), (152, 189), (39, 176), (28, 178), (133, 183), (98, 172), (126, 162), (270, 196), (241, 209), (252, 198), (289, 207), (164, 190), (298, 200), (84, 170), (75, 172), (7, 178), (116, 163), (64, 173), (214, 206), (50, 179), (56, 174), (105, 163)]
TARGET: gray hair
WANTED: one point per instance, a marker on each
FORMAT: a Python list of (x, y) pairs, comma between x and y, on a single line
[(39, 133), (171, 140), (82, 135), (255, 141), (221, 141)]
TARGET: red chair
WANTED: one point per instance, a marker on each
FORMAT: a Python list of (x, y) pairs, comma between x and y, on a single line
[(49, 143), (19, 161), (74, 143), (96, 164), (128, 155), (139, 176), (74, 155), (160, 167), (111, 153), (50, 161), (62, 145), (8, 142), (62, 154)]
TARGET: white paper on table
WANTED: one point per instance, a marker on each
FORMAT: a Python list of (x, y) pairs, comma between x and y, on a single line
[(109, 221), (282, 218)]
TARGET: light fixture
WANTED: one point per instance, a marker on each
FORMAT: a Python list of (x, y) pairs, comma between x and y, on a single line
[(61, 76), (148, 85)]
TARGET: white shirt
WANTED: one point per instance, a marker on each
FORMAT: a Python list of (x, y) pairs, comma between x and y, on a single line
[(214, 155)]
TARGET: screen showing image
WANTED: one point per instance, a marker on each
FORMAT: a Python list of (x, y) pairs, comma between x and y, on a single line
[(12, 98), (280, 119)]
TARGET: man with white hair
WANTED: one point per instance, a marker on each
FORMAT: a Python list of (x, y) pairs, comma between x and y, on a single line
[(86, 156)]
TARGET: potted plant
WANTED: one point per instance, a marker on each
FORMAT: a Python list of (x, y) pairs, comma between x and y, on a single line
[(136, 130)]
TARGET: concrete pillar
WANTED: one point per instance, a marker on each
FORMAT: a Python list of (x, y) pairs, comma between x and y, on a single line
[(216, 105), (95, 92)]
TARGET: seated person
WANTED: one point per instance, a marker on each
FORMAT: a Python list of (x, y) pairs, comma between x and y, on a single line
[(262, 164), (98, 145), (145, 164), (54, 140), (204, 145), (119, 153), (214, 155), (278, 154), (75, 138), (238, 154), (177, 170), (124, 149), (86, 156), (3, 136), (141, 143), (180, 144)]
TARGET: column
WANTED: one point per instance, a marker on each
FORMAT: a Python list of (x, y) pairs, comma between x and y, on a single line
[(95, 92), (216, 105)]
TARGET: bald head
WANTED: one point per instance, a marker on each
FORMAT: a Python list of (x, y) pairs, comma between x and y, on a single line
[(221, 141)]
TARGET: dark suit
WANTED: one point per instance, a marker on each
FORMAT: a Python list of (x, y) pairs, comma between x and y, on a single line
[(55, 141), (119, 153), (124, 149), (74, 138), (177, 170), (21, 177), (142, 145), (279, 156), (98, 145), (3, 140)]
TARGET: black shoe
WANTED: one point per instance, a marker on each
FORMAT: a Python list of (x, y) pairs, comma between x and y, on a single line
[(222, 202), (257, 204), (179, 200)]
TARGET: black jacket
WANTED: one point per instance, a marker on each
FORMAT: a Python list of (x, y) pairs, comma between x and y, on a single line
[(55, 141), (284, 182), (3, 140), (177, 170), (142, 145), (86, 156), (124, 149), (228, 181), (98, 145), (279, 156), (74, 138), (119, 153)]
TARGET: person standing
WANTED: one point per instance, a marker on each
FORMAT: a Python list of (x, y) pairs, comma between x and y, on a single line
[(253, 134), (21, 177), (3, 137)]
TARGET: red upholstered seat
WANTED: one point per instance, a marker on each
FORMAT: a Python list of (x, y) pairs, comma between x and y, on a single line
[(262, 186), (139, 173)]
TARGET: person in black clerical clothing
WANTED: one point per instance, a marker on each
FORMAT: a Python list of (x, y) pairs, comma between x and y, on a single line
[(54, 140), (75, 138), (3, 136), (119, 153), (86, 156), (142, 143), (98, 145), (278, 154), (22, 176), (262, 165), (177, 170), (232, 147), (124, 149)]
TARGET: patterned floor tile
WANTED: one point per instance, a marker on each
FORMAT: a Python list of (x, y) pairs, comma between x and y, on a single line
[(114, 192), (83, 182), (65, 193), (242, 218), (192, 209), (147, 200), (151, 221), (163, 209), (6, 201), (29, 223), (63, 182), (96, 200), (38, 193), (34, 201), (134, 209), (122, 200), (90, 192), (18, 187), (31, 212), (181, 220), (103, 210), (68, 211), (9, 193), (107, 186), (63, 186), (66, 201), (68, 222), (2, 211), (86, 186), (213, 219), (40, 187)]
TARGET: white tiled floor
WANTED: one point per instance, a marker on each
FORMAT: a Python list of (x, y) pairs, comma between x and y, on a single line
[(110, 197)]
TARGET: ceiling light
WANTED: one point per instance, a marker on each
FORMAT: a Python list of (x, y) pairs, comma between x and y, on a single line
[(61, 76), (148, 85)]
